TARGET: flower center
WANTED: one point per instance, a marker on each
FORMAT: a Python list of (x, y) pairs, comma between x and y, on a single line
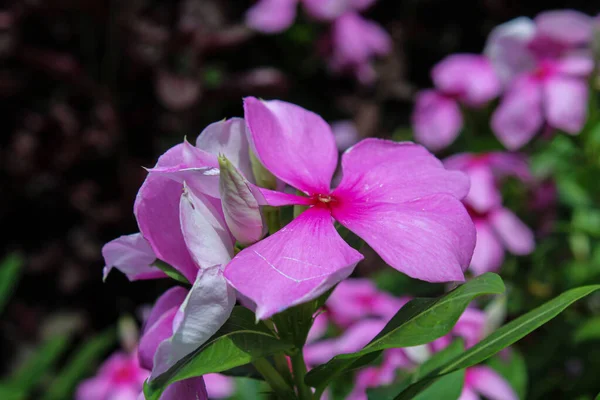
[(324, 198)]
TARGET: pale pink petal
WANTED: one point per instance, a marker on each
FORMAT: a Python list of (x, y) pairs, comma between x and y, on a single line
[(296, 145), (318, 328), (471, 78), (516, 236), (229, 138), (298, 263), (272, 16), (565, 103), (578, 64), (430, 238), (219, 386), (507, 48), (460, 161), (569, 27), (206, 308), (489, 253), (470, 326), (489, 383), (159, 325), (204, 229), (382, 171), (131, 255), (356, 40), (266, 197), (191, 388), (484, 193), (157, 212), (436, 119), (346, 134), (468, 394), (509, 164), (519, 116), (95, 388), (326, 10)]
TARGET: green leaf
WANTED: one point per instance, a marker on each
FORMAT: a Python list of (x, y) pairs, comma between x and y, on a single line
[(171, 272), (503, 337), (514, 370), (420, 321), (29, 374), (81, 364), (589, 330), (10, 269), (11, 392), (240, 341)]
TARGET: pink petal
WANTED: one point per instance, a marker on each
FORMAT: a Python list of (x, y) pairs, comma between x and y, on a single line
[(356, 40), (229, 138), (509, 164), (507, 48), (382, 171), (266, 197), (436, 119), (272, 16), (468, 394), (430, 238), (205, 309), (296, 145), (519, 116), (470, 326), (191, 388), (346, 134), (576, 64), (159, 325), (490, 384), (489, 253), (484, 194), (95, 388), (469, 77), (296, 264), (326, 10), (204, 229), (157, 212), (219, 386), (566, 103), (131, 255), (516, 236), (569, 27)]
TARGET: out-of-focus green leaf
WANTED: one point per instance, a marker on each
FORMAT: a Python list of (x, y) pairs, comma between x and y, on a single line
[(240, 341), (11, 392), (420, 321), (502, 338), (589, 330), (81, 364), (10, 269)]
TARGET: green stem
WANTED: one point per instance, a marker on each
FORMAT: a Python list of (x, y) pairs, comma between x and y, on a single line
[(299, 370), (272, 216), (274, 379), (281, 363)]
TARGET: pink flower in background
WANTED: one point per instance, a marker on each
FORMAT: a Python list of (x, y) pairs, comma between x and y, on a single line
[(385, 186), (497, 227), (120, 377), (346, 134), (484, 381), (466, 79), (545, 73), (273, 16), (219, 386)]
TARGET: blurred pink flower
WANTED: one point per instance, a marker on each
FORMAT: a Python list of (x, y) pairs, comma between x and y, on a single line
[(484, 381), (346, 134), (219, 386), (466, 79), (120, 377), (384, 185), (545, 73)]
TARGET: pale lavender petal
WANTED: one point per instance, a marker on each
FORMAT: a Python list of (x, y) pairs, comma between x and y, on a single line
[(318, 328), (266, 197), (507, 48), (241, 208), (356, 40), (577, 64), (430, 238), (484, 193), (229, 138), (204, 229), (519, 116), (569, 27), (436, 119), (382, 171), (298, 263), (346, 134), (489, 253), (470, 326), (326, 10), (468, 394), (296, 145), (169, 299), (157, 212), (219, 386), (272, 16), (565, 103), (516, 236), (206, 308), (133, 256), (96, 388), (191, 388), (471, 78), (489, 383), (509, 164)]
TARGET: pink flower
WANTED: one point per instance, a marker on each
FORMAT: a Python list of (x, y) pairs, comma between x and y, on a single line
[(120, 377), (345, 133), (273, 16), (497, 227), (219, 386), (396, 196), (482, 380), (544, 72), (467, 79), (133, 256)]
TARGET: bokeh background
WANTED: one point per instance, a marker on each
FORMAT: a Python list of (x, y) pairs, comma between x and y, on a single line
[(92, 91)]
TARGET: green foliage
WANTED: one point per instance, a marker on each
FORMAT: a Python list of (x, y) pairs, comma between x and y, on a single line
[(171, 272), (10, 270)]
